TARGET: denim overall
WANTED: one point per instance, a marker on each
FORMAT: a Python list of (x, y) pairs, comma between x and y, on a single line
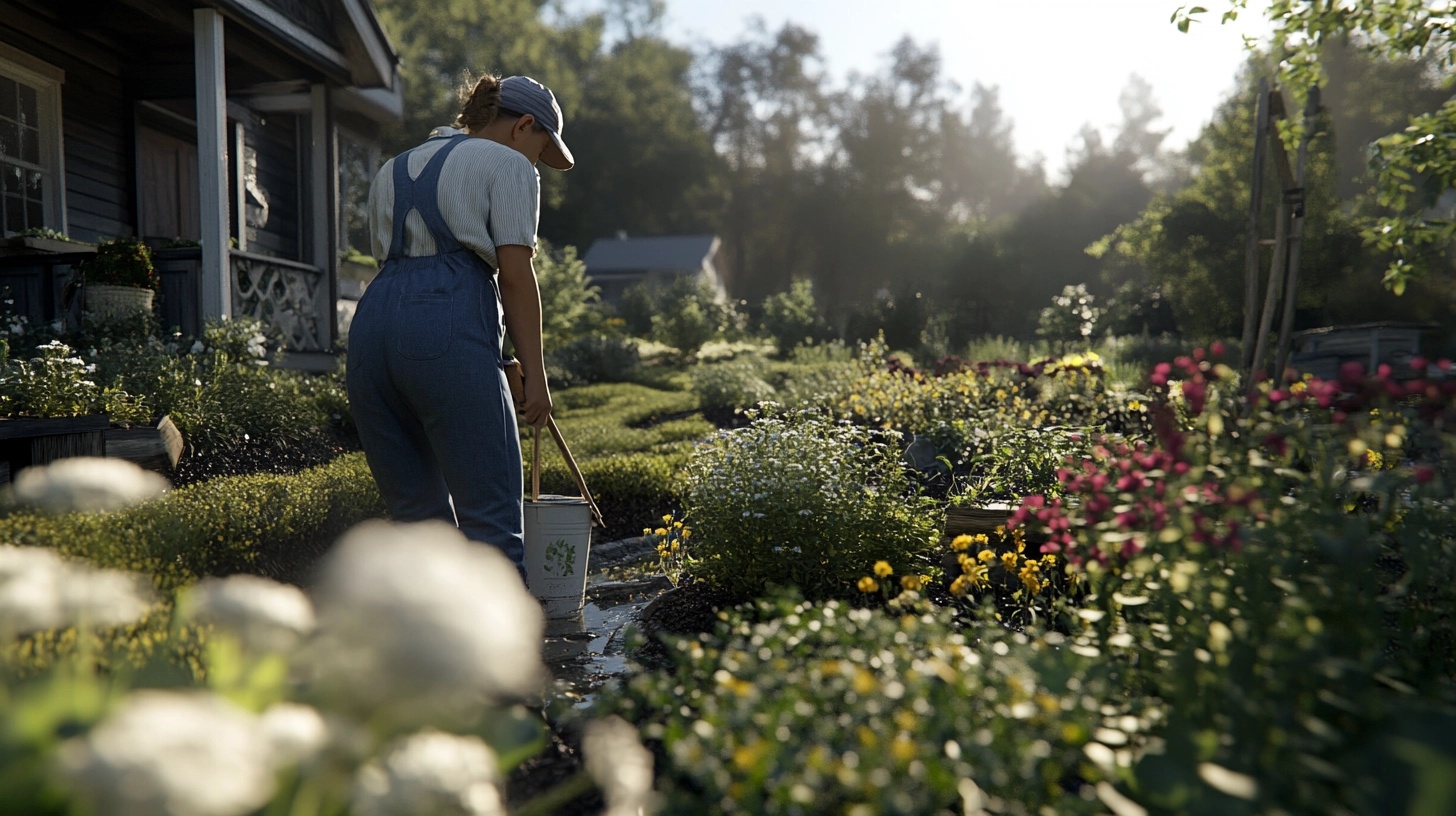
[(426, 384)]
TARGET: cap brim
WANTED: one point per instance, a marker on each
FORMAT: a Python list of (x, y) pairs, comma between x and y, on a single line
[(558, 155)]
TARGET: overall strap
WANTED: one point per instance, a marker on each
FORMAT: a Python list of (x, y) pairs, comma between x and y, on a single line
[(421, 195)]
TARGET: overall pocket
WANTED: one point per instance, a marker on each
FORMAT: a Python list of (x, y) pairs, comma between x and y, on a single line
[(423, 326)]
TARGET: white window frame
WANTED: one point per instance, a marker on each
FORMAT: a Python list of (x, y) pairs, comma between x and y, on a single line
[(47, 80)]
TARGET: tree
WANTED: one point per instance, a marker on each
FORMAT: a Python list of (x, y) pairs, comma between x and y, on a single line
[(568, 300), (1415, 166), (1189, 244), (791, 318)]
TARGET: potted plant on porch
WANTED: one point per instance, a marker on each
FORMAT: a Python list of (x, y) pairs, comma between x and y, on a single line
[(120, 280)]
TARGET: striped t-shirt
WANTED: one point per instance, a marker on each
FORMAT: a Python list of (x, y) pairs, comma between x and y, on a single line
[(489, 195)]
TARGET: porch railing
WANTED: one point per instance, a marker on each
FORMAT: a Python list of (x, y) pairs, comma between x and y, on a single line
[(286, 295)]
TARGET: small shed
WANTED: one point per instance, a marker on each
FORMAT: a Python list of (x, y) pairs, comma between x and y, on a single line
[(616, 264), (1322, 351)]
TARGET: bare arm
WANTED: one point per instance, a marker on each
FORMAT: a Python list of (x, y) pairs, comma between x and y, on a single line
[(522, 301)]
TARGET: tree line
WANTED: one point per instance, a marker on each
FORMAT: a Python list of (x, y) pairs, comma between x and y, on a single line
[(898, 196)]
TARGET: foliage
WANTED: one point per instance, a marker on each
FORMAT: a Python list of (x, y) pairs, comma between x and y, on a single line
[(56, 383), (1072, 318), (1277, 570), (598, 357), (122, 262), (568, 299), (797, 499), (631, 442), (792, 707), (730, 385), (1414, 166), (792, 317), (264, 524), (670, 542)]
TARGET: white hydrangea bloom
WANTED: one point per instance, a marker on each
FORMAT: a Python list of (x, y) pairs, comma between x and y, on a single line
[(621, 767), (41, 590), (415, 612), (430, 773), (296, 732), (167, 753), (266, 615), (87, 483)]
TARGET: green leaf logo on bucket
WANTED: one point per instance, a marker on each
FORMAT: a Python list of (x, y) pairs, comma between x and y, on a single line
[(560, 558)]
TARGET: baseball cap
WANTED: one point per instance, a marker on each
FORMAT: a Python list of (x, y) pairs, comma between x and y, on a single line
[(522, 94)]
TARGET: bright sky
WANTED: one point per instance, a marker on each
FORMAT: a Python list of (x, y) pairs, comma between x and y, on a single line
[(1058, 63)]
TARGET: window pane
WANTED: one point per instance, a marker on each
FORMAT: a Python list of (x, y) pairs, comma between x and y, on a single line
[(35, 185), (14, 213), (9, 139), (8, 106), (34, 215), (10, 179), (30, 145), (29, 108)]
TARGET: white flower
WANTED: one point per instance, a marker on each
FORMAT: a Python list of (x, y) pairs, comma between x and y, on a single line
[(172, 753), (87, 483), (41, 590), (266, 615), (430, 774), (619, 764), (415, 612), (294, 732)]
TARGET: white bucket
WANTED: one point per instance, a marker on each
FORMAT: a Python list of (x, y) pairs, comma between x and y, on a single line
[(558, 543)]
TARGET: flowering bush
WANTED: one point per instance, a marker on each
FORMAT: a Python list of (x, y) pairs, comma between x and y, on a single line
[(731, 385), (1072, 317), (798, 499), (394, 690), (1278, 568), (122, 262), (57, 383), (793, 708)]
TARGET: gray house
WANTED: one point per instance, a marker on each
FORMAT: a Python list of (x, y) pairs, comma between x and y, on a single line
[(237, 137), (615, 264)]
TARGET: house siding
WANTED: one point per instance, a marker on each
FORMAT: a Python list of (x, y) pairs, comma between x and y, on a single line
[(94, 120)]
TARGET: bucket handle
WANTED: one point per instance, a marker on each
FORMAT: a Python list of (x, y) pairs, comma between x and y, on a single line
[(570, 465), (516, 384)]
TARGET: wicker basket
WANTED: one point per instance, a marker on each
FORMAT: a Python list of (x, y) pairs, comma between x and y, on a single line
[(109, 302)]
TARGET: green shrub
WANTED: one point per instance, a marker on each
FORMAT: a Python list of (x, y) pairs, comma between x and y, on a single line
[(57, 383), (797, 499), (570, 304), (594, 358), (734, 384), (794, 708), (122, 262), (792, 318), (267, 524)]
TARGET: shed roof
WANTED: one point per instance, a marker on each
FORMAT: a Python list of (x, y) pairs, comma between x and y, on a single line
[(661, 252)]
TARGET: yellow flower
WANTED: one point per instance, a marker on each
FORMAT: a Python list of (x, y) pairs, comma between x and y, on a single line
[(883, 569), (1134, 405), (1298, 387), (1008, 561), (960, 586), (903, 748), (985, 556), (660, 531), (646, 531), (687, 533), (868, 585), (667, 519), (978, 575), (960, 542), (910, 583)]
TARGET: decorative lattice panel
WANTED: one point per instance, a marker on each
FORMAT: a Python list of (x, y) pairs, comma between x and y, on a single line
[(283, 295)]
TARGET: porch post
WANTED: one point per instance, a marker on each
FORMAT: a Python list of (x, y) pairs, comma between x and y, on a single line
[(322, 179), (215, 289)]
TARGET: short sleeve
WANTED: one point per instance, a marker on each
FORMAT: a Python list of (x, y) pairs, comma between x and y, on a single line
[(515, 204)]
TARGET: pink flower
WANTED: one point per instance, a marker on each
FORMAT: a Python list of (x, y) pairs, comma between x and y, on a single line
[(1424, 474), (1352, 373), (1217, 348)]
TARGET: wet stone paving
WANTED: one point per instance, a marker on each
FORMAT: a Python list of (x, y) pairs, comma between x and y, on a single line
[(587, 650)]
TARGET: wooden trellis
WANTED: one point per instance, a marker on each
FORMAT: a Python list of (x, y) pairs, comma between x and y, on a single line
[(1283, 281)]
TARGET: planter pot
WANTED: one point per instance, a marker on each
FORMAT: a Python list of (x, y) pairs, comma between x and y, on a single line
[(110, 302), (973, 519)]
